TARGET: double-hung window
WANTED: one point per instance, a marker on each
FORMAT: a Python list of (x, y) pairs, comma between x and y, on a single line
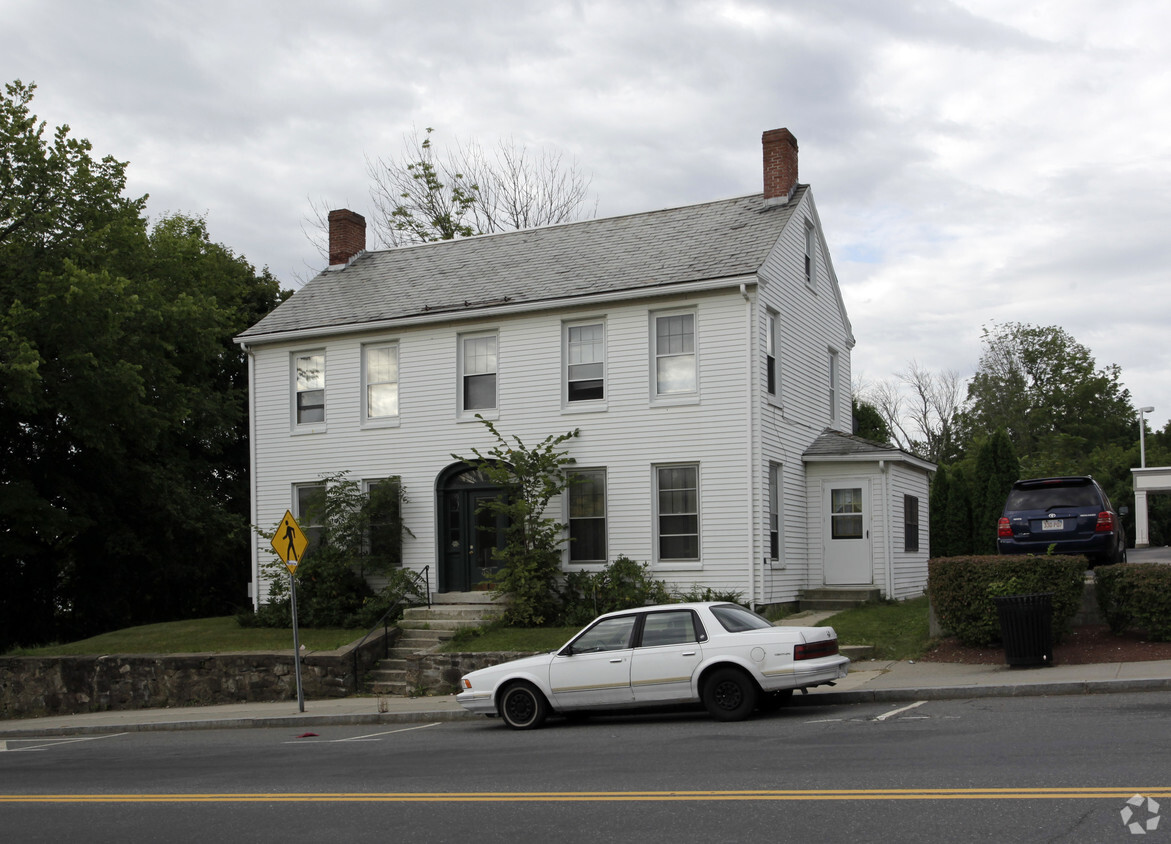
[(810, 255), (309, 509), (585, 362), (587, 516), (834, 386), (774, 512), (309, 387), (770, 353), (677, 512), (674, 354), (478, 371), (380, 374)]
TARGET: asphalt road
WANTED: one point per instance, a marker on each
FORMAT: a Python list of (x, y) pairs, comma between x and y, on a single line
[(991, 769)]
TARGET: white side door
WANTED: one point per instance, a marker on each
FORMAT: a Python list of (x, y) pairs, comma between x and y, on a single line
[(846, 533), (597, 672), (663, 665)]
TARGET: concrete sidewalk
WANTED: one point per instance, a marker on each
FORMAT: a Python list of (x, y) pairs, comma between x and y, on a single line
[(869, 681)]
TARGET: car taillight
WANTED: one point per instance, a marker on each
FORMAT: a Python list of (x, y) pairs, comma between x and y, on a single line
[(1003, 528), (816, 650), (1105, 522)]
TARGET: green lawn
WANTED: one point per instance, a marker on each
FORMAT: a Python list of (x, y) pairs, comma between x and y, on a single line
[(897, 630), (522, 639), (200, 635)]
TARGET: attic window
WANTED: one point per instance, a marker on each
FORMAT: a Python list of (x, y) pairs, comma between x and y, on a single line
[(810, 255)]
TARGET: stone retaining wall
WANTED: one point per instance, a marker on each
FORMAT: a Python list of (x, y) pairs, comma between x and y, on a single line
[(64, 685), (436, 673)]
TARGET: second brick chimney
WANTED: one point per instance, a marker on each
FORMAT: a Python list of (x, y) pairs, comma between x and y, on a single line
[(347, 236), (780, 165)]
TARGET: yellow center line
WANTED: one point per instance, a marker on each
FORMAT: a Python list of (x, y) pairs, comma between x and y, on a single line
[(609, 796)]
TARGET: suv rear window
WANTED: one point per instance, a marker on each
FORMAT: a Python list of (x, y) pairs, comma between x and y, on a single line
[(1052, 496)]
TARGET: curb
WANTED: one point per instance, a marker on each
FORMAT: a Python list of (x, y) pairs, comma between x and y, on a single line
[(1072, 687)]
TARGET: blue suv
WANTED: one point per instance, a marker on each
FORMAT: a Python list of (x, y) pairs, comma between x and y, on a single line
[(1072, 514)]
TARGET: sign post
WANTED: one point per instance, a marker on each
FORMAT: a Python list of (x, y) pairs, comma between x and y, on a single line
[(290, 543)]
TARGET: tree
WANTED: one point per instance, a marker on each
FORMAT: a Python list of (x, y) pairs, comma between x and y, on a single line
[(997, 468), (123, 493), (530, 560), (868, 422), (919, 408), (427, 195), (1045, 389)]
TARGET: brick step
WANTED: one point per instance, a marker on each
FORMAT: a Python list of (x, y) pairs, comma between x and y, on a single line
[(388, 688), (454, 612), (446, 624)]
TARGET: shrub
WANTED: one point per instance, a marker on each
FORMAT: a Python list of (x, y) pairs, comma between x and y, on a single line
[(1136, 596), (621, 585), (962, 588), (706, 593)]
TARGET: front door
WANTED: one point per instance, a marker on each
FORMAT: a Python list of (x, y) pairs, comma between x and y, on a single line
[(469, 532), (846, 532)]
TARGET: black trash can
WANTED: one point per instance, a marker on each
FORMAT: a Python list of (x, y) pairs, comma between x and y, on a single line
[(1026, 628)]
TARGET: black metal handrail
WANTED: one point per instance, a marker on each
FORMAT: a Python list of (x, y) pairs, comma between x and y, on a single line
[(400, 603)]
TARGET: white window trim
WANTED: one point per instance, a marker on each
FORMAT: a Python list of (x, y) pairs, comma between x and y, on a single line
[(677, 564), (464, 414), (687, 397), (589, 565), (308, 427), (775, 503), (810, 255), (772, 328), (592, 405), (835, 387), (380, 421)]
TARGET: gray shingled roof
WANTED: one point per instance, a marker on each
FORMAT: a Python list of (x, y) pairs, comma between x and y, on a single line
[(835, 444), (714, 240)]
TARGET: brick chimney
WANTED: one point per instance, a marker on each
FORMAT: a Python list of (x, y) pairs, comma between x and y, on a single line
[(347, 236), (780, 165)]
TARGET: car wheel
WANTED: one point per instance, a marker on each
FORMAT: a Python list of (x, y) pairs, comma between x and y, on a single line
[(729, 695), (522, 707), (772, 701)]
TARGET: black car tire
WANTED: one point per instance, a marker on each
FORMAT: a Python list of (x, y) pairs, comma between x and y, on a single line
[(522, 706), (729, 694)]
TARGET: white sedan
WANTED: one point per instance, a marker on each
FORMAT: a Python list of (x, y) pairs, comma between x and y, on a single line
[(723, 655)]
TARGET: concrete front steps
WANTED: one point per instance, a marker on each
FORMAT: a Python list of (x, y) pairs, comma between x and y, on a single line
[(425, 629), (837, 597)]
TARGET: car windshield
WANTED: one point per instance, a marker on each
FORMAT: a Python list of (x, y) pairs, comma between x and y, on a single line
[(1052, 497), (736, 619)]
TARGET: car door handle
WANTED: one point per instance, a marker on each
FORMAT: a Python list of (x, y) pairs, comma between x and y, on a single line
[(616, 661), (689, 653)]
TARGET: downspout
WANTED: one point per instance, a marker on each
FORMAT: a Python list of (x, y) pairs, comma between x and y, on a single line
[(749, 408), (254, 583), (888, 528)]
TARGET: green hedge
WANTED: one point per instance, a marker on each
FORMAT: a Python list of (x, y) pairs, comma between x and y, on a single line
[(962, 588), (1136, 596)]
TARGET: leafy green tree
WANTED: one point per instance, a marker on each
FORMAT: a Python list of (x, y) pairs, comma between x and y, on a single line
[(1046, 390), (123, 494), (531, 477), (996, 469), (940, 490), (957, 514), (868, 422)]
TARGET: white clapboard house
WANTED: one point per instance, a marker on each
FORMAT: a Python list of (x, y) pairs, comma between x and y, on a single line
[(702, 351)]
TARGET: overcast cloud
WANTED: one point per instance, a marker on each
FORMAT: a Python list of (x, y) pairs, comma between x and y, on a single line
[(973, 162)]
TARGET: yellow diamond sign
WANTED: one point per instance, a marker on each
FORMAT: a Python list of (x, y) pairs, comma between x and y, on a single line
[(290, 542)]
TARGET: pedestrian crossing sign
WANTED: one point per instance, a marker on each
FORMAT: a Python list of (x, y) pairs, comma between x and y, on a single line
[(290, 542)]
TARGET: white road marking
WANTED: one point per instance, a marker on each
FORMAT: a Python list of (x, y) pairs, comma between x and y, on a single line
[(894, 712), (369, 736), (51, 742)]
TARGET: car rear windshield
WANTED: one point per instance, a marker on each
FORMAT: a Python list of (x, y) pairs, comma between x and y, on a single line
[(737, 619), (1054, 496)]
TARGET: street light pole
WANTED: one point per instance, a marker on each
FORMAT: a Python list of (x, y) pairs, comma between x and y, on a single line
[(1142, 440)]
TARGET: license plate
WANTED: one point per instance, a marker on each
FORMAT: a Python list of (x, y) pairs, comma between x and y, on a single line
[(1053, 524)]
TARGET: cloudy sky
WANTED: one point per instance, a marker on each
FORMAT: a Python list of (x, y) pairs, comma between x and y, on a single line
[(974, 162)]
